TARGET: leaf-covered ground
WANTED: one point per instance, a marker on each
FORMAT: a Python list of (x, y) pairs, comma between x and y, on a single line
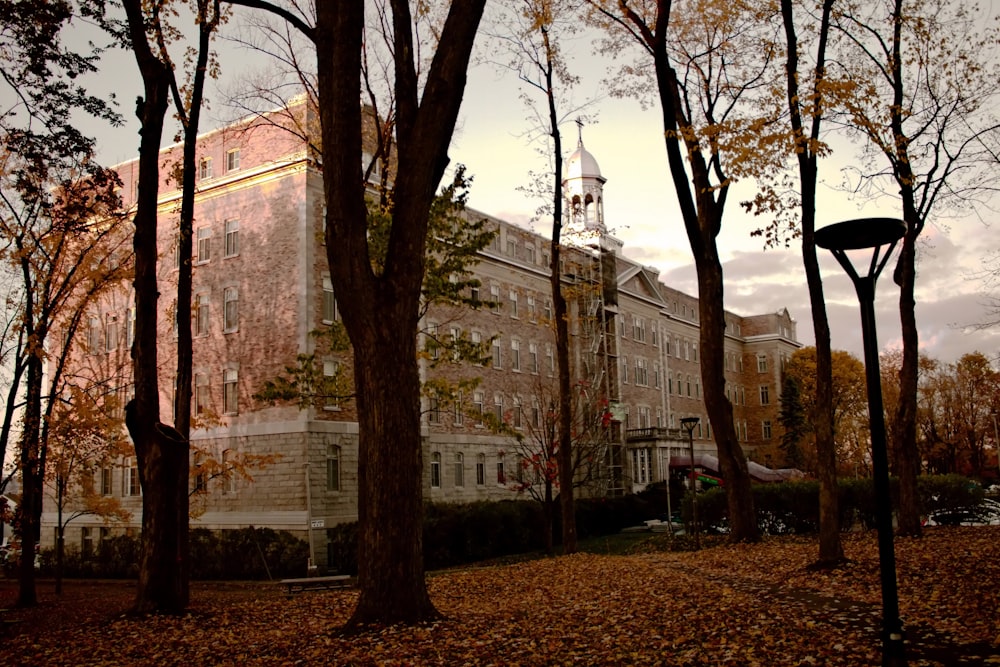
[(726, 605)]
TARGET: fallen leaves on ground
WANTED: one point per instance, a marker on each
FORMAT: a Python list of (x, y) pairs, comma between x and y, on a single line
[(726, 605)]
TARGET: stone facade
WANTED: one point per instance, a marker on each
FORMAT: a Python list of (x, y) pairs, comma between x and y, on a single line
[(261, 287)]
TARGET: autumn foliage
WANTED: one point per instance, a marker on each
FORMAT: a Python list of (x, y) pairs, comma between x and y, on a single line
[(729, 605)]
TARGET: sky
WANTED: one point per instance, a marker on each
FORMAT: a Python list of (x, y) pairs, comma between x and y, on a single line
[(640, 208)]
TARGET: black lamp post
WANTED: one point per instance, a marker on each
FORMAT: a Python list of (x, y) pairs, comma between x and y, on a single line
[(858, 235), (689, 423)]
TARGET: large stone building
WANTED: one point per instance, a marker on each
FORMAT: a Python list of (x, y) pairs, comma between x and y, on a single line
[(262, 290)]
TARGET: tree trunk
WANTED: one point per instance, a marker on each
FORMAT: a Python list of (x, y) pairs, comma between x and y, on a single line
[(548, 507), (907, 455), (380, 308), (701, 212), (390, 476), (161, 452), (32, 475), (831, 550), (732, 461)]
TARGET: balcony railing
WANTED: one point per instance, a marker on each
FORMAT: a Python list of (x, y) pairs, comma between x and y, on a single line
[(654, 433)]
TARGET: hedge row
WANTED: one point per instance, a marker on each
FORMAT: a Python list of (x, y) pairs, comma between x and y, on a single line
[(793, 507), (246, 553), (459, 533)]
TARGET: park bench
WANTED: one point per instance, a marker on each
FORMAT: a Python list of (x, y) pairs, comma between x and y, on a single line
[(316, 583)]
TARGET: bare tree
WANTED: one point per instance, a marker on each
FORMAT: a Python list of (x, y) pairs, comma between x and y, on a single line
[(708, 92), (925, 106)]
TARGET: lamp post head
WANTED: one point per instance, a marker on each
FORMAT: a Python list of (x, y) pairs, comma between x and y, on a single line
[(689, 423), (860, 233)]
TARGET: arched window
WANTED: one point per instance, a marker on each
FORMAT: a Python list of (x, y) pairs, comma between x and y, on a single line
[(332, 467), (436, 470), (459, 469)]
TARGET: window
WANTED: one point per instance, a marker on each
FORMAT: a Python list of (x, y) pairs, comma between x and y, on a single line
[(515, 355), (228, 471), (687, 351), (205, 168), (204, 244), (459, 469), (501, 473), (230, 391), (495, 298), (474, 295), (233, 160), (86, 542), (232, 238), (200, 393), (766, 428), (481, 470), (111, 332), (201, 476), (497, 354), (654, 332), (677, 347), (106, 480), (331, 368), (670, 383), (329, 301), (547, 311), (666, 345), (640, 466), (201, 315), (433, 410), (498, 408), (455, 340), (550, 358), (644, 417), (765, 397), (512, 246), (94, 335), (459, 408), (477, 340), (515, 417), (532, 358), (129, 327), (130, 478), (642, 372), (761, 363), (431, 345), (513, 303), (478, 408), (656, 374), (532, 315), (624, 370), (688, 382), (639, 329), (230, 310), (332, 468), (694, 352), (436, 470)]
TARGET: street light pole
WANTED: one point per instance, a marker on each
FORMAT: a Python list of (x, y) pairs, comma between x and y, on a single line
[(857, 235), (689, 423), (996, 440)]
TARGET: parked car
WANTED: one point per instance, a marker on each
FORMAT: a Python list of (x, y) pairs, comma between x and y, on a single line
[(987, 513)]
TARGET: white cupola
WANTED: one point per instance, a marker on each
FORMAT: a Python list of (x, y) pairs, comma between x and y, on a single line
[(583, 188)]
